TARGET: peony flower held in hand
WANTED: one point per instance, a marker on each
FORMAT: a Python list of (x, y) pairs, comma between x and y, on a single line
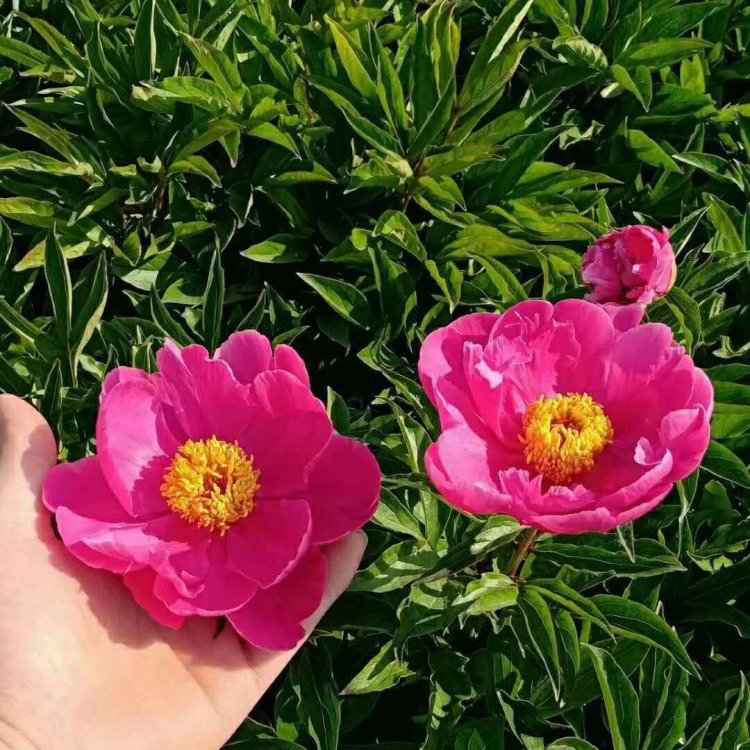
[(634, 264), (216, 482), (571, 418)]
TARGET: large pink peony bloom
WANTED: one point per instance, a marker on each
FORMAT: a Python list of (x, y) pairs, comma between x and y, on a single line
[(634, 264), (571, 418), (216, 482)]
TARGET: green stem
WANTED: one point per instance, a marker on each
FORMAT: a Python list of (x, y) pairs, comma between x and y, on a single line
[(526, 541)]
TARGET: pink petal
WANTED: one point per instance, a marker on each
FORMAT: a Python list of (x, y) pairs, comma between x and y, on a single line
[(200, 582), (121, 375), (464, 469), (529, 498), (343, 489), (441, 364), (141, 585), (625, 317), (81, 487), (475, 327), (286, 358), (526, 319), (686, 433), (272, 619), (132, 444), (203, 394), (703, 392), (267, 544), (594, 334), (120, 547), (248, 354), (642, 489), (585, 521), (655, 498), (289, 428), (637, 355)]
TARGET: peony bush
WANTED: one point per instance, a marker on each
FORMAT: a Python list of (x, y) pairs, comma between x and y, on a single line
[(473, 274)]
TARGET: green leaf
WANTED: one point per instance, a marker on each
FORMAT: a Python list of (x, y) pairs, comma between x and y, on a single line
[(57, 138), (384, 671), (600, 554), (32, 212), (395, 289), (730, 240), (206, 136), (689, 315), (60, 288), (281, 248), (730, 420), (660, 53), (456, 160), (344, 298), (213, 303), (504, 280), (571, 743), (486, 594), (144, 41), (620, 699), (734, 731), (495, 41), (10, 380), (398, 566), (523, 152), (481, 241), (560, 593), (373, 134), (6, 243), (166, 322), (429, 134), (89, 315), (196, 165), (449, 278), (31, 161), (723, 463), (350, 59), (17, 323), (22, 53), (390, 90), (663, 702), (634, 620), (51, 404), (720, 169), (722, 586), (639, 84), (649, 151), (541, 630), (318, 703), (396, 227), (218, 65)]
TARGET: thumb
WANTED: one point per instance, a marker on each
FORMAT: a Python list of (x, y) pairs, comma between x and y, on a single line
[(27, 451)]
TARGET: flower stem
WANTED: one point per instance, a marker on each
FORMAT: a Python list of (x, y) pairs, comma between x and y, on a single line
[(526, 541)]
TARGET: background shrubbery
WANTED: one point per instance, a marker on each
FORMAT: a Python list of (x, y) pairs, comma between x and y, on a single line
[(348, 176)]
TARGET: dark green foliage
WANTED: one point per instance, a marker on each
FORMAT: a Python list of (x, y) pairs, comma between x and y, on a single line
[(348, 176)]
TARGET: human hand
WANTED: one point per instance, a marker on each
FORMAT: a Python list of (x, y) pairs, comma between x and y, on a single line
[(83, 666)]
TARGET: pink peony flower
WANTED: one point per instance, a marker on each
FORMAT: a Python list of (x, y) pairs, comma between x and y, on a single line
[(216, 482), (634, 264), (571, 418)]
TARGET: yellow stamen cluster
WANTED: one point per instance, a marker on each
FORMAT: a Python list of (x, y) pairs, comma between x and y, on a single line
[(211, 483), (564, 435)]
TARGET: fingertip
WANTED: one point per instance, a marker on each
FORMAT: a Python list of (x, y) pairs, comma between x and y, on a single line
[(27, 445), (347, 552)]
